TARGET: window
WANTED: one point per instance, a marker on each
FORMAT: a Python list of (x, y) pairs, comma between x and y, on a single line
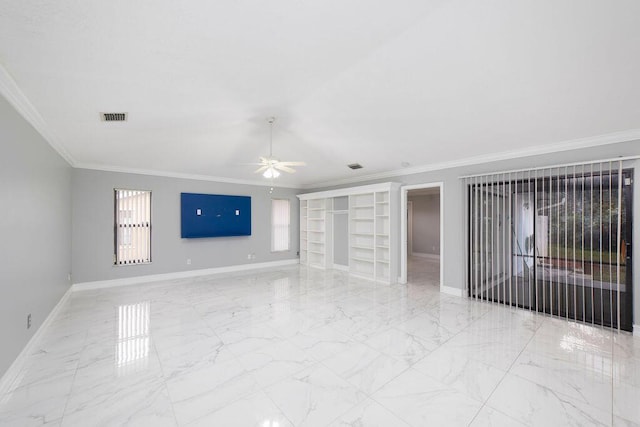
[(280, 220), (132, 227), (555, 240)]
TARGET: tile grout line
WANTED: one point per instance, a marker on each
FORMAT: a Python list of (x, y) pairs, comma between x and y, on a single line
[(507, 372), (164, 381)]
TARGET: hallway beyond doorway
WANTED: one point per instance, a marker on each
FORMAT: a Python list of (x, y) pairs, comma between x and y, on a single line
[(421, 270)]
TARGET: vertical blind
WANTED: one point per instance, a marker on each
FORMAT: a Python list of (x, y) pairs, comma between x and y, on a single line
[(132, 227), (554, 240), (280, 224)]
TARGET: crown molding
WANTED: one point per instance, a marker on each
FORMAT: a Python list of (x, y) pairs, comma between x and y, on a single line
[(593, 141), (150, 172), (10, 90)]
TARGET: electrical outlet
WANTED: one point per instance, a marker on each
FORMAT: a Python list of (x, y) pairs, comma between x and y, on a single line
[(188, 261), (28, 320), (248, 256), (69, 277)]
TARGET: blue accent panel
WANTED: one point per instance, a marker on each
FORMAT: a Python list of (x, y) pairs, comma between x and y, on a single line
[(214, 215)]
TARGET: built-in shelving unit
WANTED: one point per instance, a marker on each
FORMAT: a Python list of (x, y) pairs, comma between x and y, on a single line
[(304, 250), (383, 259), (361, 235), (316, 236), (373, 223)]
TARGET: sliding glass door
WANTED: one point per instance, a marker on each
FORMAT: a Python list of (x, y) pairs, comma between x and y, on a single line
[(556, 241)]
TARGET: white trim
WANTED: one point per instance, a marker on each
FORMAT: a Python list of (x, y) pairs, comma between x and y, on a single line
[(179, 275), (10, 90), (409, 228), (425, 255), (371, 188), (109, 168), (452, 291), (403, 227), (532, 150), (340, 267), (7, 381), (636, 330)]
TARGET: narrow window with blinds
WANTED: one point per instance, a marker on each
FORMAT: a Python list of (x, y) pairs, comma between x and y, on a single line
[(132, 227), (280, 224)]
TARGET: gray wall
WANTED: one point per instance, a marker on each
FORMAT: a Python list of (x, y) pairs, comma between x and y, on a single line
[(93, 226), (341, 239), (453, 259), (341, 231), (426, 224), (35, 196)]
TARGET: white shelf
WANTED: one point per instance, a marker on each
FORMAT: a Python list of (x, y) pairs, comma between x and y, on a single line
[(368, 248), (363, 260), (362, 207), (361, 219)]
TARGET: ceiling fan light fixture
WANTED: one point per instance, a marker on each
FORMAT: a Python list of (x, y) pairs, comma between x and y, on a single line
[(270, 167), (271, 173)]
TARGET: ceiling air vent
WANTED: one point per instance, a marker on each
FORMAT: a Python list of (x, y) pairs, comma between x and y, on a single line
[(355, 166), (113, 117)]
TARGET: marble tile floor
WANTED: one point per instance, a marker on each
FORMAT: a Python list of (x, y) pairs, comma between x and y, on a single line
[(305, 347)]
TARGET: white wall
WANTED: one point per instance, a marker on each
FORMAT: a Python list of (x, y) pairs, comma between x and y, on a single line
[(93, 226), (35, 196), (426, 224)]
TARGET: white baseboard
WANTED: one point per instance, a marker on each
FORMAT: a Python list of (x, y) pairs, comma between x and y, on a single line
[(452, 291), (9, 378), (340, 267), (636, 330), (423, 255), (180, 275)]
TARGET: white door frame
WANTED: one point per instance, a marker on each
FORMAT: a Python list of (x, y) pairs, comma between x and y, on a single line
[(403, 228), (410, 227)]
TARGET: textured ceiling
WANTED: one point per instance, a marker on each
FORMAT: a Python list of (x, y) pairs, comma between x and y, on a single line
[(373, 82)]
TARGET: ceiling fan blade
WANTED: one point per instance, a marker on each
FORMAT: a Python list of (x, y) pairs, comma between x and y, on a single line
[(261, 169), (264, 160), (293, 163), (283, 168)]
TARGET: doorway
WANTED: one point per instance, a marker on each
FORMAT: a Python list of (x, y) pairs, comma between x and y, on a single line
[(421, 234)]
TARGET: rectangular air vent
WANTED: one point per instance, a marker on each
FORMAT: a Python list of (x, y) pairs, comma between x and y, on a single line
[(113, 117), (355, 166)]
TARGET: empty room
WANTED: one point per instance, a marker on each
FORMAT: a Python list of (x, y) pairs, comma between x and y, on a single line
[(296, 213)]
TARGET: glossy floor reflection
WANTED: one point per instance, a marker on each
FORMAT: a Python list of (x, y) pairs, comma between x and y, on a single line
[(306, 347)]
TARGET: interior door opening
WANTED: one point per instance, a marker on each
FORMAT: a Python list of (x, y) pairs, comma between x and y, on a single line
[(423, 235)]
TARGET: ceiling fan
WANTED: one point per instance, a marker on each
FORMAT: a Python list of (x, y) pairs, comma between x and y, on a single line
[(270, 166)]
